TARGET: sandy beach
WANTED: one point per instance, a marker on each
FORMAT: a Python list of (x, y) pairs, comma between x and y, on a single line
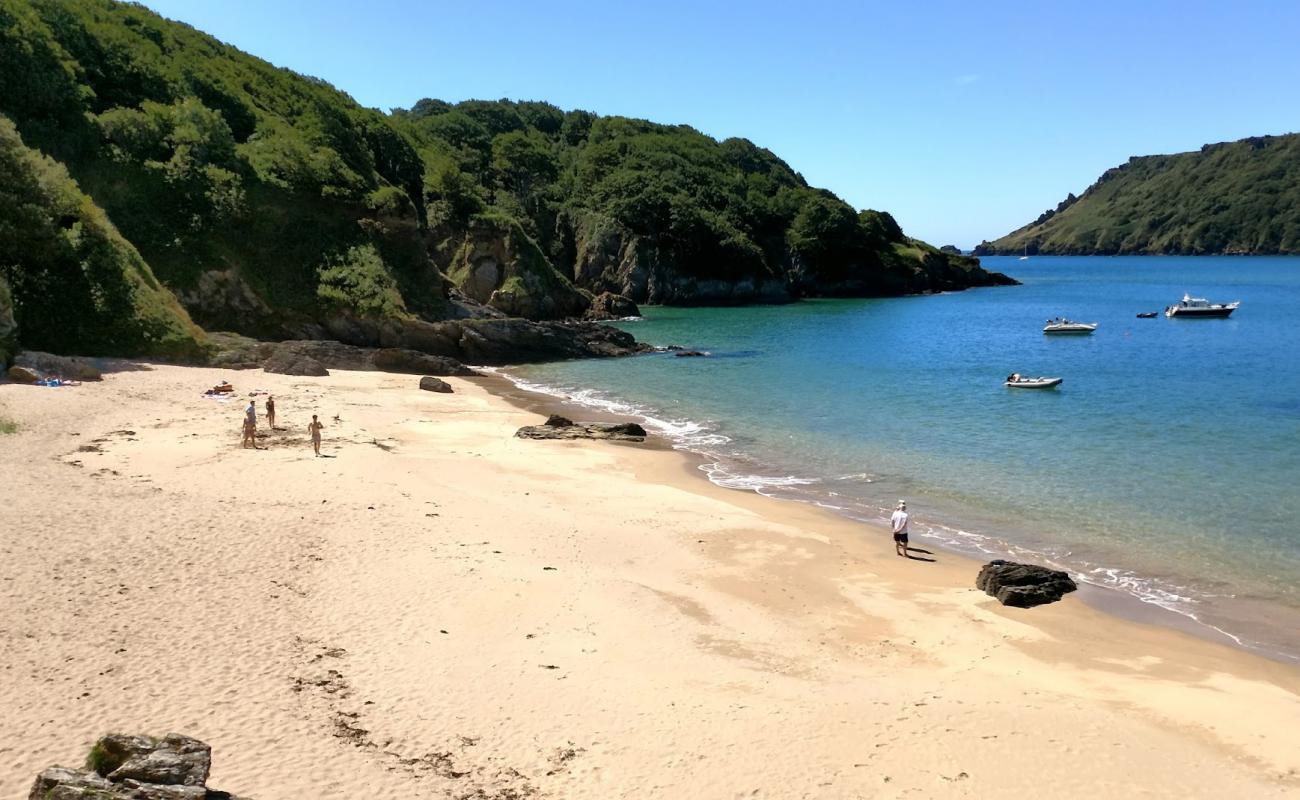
[(438, 609)]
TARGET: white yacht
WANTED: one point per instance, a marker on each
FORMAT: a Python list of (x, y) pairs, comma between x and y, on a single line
[(1063, 325), (1200, 307)]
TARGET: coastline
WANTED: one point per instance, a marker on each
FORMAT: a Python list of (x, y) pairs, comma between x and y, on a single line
[(1121, 602), (443, 607)]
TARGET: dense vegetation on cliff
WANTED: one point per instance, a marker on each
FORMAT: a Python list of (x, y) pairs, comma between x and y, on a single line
[(271, 203), (67, 278), (1235, 197)]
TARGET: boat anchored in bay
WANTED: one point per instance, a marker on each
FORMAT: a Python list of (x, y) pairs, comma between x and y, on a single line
[(1200, 307), (1063, 325), (1017, 381)]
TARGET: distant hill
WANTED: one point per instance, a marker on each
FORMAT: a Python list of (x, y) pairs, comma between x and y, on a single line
[(1237, 197), (272, 204)]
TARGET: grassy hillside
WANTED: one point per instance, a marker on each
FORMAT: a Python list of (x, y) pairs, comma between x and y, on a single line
[(1235, 197), (271, 203)]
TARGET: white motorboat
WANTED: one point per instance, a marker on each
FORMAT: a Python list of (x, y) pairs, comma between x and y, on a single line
[(1063, 325), (1200, 307), (1018, 381)]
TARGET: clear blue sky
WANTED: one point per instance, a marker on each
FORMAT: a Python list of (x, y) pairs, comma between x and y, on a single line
[(963, 119)]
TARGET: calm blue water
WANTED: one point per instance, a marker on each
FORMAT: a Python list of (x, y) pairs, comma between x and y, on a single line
[(1167, 464)]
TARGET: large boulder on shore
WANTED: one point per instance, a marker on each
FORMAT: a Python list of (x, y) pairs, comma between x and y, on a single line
[(1023, 585), (73, 368), (431, 384), (123, 767), (557, 427), (19, 374)]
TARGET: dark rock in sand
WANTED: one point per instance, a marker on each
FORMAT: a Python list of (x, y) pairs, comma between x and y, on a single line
[(557, 427), (430, 384), (19, 374), (608, 305), (134, 768), (690, 354), (1023, 585), (286, 361), (73, 368)]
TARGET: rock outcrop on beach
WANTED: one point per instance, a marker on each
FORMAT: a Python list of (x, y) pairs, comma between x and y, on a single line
[(286, 361), (557, 427), (431, 384), (67, 367), (122, 767), (1023, 585), (19, 374)]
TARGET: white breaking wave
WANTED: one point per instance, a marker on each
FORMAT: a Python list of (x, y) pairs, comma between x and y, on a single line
[(703, 439), (684, 434)]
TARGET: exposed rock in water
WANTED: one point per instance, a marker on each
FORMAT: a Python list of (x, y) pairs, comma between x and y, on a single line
[(608, 305), (124, 767), (19, 374), (690, 354), (286, 361), (73, 368), (430, 384), (1023, 585), (557, 427)]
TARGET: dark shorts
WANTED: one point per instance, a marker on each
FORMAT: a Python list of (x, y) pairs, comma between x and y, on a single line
[(900, 538)]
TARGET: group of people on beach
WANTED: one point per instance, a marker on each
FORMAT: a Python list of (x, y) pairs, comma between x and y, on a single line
[(250, 425)]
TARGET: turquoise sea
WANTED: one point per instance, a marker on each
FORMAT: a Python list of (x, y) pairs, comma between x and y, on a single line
[(1167, 464)]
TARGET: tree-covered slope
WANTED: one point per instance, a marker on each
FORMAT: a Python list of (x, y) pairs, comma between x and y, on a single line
[(660, 213), (67, 278), (247, 188), (273, 204), (1234, 197)]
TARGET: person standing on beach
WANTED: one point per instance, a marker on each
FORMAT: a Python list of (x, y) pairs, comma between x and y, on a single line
[(314, 429), (898, 522), (270, 412), (250, 425)]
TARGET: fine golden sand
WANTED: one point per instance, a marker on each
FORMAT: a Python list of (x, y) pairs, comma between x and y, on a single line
[(438, 609)]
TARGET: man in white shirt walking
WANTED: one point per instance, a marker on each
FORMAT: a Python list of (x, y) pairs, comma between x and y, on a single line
[(898, 521)]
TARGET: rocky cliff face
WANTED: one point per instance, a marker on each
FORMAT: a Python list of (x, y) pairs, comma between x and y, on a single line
[(497, 265), (607, 258)]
